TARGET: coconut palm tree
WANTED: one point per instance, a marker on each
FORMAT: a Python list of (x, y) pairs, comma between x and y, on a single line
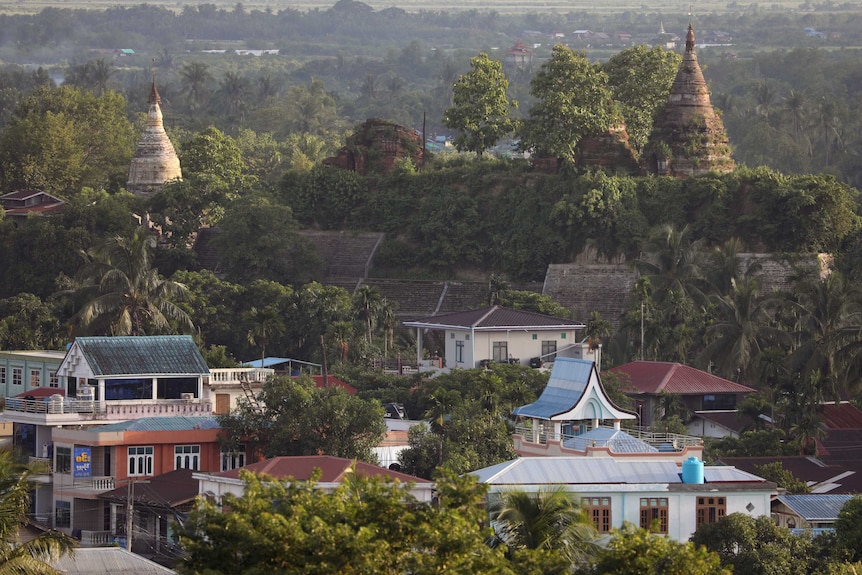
[(120, 293), (31, 557), (740, 331), (830, 331), (551, 519), (795, 106), (367, 303), (266, 324), (196, 77)]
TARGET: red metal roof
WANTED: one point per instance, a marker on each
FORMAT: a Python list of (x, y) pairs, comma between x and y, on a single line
[(333, 469), (841, 416), (333, 381), (654, 377)]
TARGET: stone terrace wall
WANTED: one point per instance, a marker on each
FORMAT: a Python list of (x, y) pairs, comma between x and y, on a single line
[(584, 288)]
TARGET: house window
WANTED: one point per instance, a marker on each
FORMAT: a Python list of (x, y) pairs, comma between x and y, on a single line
[(467, 336), (53, 379), (17, 376), (141, 460), (187, 457), (459, 351), (233, 459), (710, 509), (500, 351), (599, 510), (452, 335), (3, 375), (35, 377), (62, 514), (535, 336), (719, 402), (549, 350), (63, 462), (654, 509), (562, 336)]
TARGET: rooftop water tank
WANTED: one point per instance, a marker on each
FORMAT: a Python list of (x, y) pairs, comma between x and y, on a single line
[(692, 471)]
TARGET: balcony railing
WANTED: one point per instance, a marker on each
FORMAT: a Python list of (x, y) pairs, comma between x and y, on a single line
[(672, 441), (78, 409), (234, 375), (96, 538)]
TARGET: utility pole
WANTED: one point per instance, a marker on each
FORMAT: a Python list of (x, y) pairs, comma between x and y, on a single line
[(130, 512)]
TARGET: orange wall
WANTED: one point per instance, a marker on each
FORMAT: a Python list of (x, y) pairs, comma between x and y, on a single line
[(163, 443)]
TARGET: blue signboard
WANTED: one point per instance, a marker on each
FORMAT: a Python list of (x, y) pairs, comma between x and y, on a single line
[(83, 460)]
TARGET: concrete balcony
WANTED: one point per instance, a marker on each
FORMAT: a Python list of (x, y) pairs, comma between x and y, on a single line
[(234, 376), (60, 410)]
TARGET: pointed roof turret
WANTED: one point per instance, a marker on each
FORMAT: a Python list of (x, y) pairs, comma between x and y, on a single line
[(155, 161), (689, 137)]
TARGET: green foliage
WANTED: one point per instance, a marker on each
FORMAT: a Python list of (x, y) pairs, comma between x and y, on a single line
[(572, 102), (776, 473), (258, 240), (765, 442), (481, 109), (33, 556), (640, 79), (62, 139), (364, 526), (327, 196), (532, 301), (634, 551), (301, 419), (848, 528), (752, 546), (26, 322)]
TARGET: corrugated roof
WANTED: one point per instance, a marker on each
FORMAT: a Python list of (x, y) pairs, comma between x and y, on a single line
[(332, 469), (172, 423), (495, 317), (732, 420), (812, 507), (616, 440), (166, 491), (565, 388), (107, 561), (841, 416), (585, 470), (658, 376), (143, 355)]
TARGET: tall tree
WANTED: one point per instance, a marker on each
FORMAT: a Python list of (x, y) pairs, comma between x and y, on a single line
[(640, 79), (120, 293), (365, 526), (196, 78), (573, 101), (32, 557), (481, 110)]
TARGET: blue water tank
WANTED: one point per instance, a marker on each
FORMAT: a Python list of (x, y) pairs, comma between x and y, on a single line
[(692, 471)]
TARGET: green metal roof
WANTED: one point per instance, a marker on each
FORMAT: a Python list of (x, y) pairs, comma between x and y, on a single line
[(173, 423), (143, 355)]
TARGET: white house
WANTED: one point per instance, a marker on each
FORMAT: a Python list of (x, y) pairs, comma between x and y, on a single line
[(639, 492), (500, 335)]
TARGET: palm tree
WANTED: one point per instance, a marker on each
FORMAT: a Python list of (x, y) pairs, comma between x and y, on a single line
[(672, 264), (828, 124), (123, 294), (31, 557), (100, 73), (831, 331), (597, 328), (266, 324), (497, 284), (196, 77), (795, 107), (551, 519), (233, 91), (740, 331), (367, 302)]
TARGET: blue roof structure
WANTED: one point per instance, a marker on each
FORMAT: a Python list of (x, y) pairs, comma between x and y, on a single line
[(816, 507), (617, 441), (565, 388), (142, 355), (173, 423), (574, 393)]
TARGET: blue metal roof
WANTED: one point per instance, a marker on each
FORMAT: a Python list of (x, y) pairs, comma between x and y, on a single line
[(567, 383), (816, 507), (143, 355), (618, 441), (173, 423)]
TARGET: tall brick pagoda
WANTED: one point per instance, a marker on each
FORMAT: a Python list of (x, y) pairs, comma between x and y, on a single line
[(688, 137)]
